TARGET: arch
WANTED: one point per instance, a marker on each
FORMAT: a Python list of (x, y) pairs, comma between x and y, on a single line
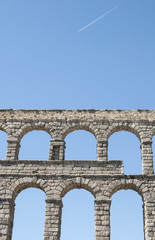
[(125, 146), (125, 184), (79, 183), (3, 144), (126, 215), (126, 127), (27, 182), (26, 128), (80, 145), (78, 215), (80, 126), (29, 215), (35, 145)]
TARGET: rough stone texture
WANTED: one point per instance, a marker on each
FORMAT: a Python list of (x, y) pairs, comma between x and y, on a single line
[(58, 176)]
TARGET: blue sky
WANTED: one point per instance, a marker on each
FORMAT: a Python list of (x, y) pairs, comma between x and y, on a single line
[(46, 63)]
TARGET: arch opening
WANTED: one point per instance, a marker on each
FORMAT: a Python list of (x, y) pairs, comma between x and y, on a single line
[(76, 185), (35, 146), (29, 215), (78, 127), (32, 127), (126, 216), (78, 215), (80, 145), (3, 144), (125, 146), (125, 128)]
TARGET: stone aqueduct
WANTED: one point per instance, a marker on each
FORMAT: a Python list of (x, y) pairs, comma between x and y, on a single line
[(57, 176)]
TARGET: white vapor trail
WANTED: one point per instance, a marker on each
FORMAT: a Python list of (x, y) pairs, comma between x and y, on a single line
[(97, 19)]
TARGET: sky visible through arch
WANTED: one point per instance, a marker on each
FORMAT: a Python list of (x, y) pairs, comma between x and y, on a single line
[(46, 63)]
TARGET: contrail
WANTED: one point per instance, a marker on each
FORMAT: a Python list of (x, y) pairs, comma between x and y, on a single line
[(105, 14)]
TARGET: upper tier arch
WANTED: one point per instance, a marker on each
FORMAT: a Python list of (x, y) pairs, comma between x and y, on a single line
[(26, 128), (124, 127), (74, 127)]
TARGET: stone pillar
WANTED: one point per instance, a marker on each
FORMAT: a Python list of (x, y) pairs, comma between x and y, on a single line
[(149, 220), (57, 150), (102, 219), (102, 150), (147, 157), (12, 150), (52, 219), (6, 218)]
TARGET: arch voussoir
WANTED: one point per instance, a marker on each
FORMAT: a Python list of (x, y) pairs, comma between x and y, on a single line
[(26, 128), (68, 185), (24, 183), (132, 184)]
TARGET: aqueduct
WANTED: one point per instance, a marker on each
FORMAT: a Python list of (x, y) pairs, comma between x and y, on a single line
[(57, 176)]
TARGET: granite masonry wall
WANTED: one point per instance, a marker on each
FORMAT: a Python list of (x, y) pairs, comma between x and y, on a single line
[(57, 176)]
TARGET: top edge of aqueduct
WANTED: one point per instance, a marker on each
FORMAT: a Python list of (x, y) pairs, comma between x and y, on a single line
[(89, 114)]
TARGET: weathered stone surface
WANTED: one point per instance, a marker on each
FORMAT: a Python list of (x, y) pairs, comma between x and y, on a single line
[(57, 176)]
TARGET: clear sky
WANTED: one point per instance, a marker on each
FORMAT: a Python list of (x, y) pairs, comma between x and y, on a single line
[(46, 62)]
